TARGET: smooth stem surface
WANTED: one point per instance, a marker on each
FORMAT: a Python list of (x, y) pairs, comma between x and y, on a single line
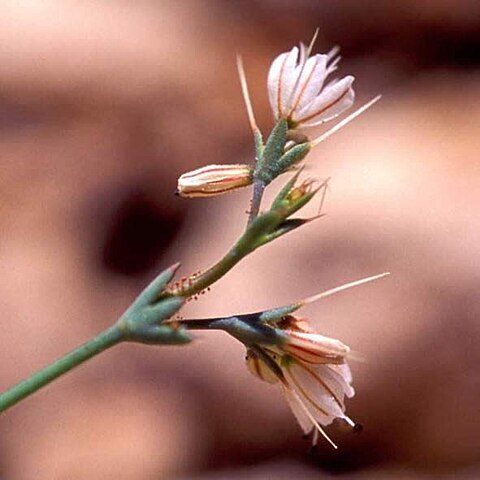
[(101, 342)]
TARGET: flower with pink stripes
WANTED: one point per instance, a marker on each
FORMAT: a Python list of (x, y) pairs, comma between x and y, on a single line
[(298, 90), (214, 180), (312, 371)]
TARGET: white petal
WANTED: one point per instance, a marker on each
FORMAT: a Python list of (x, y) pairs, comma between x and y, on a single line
[(335, 380), (304, 415), (288, 81), (303, 53), (273, 82), (320, 398), (332, 101), (345, 377), (280, 81), (299, 413), (313, 75)]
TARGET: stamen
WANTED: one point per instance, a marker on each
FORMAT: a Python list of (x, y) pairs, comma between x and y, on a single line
[(333, 53), (246, 94), (332, 291), (312, 419), (344, 122), (358, 427), (333, 65), (350, 422)]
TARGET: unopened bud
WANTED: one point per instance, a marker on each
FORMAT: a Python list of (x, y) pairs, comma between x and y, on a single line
[(214, 180), (298, 192), (315, 348)]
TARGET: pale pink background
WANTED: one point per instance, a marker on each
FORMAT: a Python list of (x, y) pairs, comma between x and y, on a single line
[(104, 104)]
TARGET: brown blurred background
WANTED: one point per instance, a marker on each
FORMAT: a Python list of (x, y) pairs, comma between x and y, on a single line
[(104, 104)]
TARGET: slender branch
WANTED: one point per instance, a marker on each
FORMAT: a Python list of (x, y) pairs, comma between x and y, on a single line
[(101, 342), (248, 328), (251, 239)]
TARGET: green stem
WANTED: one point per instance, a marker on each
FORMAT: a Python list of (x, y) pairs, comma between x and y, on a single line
[(247, 243), (210, 276), (106, 339), (258, 189)]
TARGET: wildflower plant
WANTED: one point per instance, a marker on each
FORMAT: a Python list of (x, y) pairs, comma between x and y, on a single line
[(311, 369)]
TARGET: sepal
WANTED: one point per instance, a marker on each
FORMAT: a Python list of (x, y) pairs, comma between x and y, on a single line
[(285, 227), (143, 321), (290, 158), (273, 151)]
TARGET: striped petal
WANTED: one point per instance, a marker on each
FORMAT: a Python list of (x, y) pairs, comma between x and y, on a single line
[(298, 92), (310, 78), (332, 101), (298, 412), (259, 368), (322, 398), (273, 83), (214, 180), (343, 376), (281, 80), (304, 415), (315, 348)]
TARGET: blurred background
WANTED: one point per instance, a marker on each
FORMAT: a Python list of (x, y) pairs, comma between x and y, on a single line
[(104, 104)]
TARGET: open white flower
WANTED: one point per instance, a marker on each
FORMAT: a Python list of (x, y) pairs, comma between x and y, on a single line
[(298, 91), (312, 372)]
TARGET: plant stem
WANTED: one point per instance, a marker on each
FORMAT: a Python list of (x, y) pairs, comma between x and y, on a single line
[(214, 273), (247, 243), (258, 189), (106, 339)]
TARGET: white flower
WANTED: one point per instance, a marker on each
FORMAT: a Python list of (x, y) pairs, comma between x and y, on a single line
[(214, 180), (312, 372), (298, 92)]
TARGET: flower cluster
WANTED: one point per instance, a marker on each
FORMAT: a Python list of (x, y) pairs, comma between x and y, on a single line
[(310, 368), (300, 97)]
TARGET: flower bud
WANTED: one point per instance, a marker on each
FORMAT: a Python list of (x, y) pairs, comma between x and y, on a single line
[(315, 348), (300, 191), (214, 180)]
